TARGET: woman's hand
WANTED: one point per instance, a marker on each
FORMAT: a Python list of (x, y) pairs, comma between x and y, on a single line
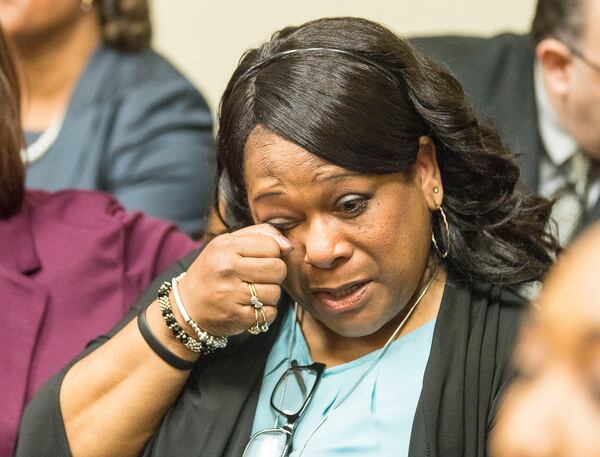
[(215, 290), (123, 389)]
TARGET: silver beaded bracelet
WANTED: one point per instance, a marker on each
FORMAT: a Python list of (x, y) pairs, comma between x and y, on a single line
[(169, 318)]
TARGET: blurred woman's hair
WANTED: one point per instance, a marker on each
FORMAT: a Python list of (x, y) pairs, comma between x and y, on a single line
[(12, 170), (356, 95), (126, 24)]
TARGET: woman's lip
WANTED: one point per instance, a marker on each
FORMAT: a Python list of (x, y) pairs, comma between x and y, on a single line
[(336, 290), (337, 300)]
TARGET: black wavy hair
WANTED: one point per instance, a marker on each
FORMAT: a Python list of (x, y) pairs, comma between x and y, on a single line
[(361, 102)]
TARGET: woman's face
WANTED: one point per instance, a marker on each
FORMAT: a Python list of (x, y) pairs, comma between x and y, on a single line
[(361, 243), (31, 18)]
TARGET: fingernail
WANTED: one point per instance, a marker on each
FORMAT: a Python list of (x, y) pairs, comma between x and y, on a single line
[(285, 243)]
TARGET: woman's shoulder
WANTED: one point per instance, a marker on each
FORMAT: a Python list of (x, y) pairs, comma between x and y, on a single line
[(488, 293), (484, 303), (92, 211), (76, 207), (134, 71), (95, 222)]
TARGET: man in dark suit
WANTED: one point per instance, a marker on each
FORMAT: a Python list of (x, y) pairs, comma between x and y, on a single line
[(542, 92)]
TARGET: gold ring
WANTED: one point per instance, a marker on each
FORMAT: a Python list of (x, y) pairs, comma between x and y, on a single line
[(256, 327), (254, 301), (264, 327)]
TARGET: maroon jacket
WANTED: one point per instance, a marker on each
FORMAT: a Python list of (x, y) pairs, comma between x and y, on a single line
[(72, 263)]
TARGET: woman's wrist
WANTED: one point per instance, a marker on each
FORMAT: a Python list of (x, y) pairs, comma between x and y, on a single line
[(165, 335), (178, 316), (158, 347)]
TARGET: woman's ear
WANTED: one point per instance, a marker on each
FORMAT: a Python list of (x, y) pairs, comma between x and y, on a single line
[(428, 173)]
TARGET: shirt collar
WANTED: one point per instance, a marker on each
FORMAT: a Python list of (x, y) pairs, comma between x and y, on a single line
[(18, 252), (559, 145)]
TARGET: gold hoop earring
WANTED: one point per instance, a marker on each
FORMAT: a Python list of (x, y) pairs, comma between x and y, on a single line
[(447, 242), (86, 5)]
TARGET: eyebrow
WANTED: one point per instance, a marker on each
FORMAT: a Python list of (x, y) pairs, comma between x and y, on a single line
[(337, 176), (318, 179), (263, 195)]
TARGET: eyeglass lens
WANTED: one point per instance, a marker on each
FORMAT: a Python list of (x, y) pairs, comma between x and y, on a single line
[(290, 396), (268, 443), (293, 389)]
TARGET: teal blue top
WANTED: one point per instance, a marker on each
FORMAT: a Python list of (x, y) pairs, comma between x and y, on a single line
[(376, 419)]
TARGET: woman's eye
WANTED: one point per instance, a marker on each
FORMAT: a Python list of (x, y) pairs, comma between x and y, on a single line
[(353, 205), (281, 224)]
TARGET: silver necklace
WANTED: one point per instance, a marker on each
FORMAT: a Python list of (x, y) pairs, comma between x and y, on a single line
[(378, 357), (36, 150)]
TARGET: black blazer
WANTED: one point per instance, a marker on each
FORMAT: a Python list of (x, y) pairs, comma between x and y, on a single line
[(497, 75), (466, 373)]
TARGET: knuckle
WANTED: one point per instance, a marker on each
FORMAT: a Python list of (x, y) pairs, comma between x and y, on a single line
[(276, 271), (221, 241), (271, 314), (272, 246), (239, 264), (277, 295), (225, 267), (272, 294), (280, 270)]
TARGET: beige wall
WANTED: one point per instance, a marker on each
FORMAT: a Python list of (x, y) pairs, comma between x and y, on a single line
[(205, 39)]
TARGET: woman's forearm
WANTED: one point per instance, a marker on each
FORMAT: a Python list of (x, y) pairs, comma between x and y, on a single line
[(113, 399)]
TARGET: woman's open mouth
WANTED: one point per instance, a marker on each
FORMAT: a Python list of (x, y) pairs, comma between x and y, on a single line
[(344, 298)]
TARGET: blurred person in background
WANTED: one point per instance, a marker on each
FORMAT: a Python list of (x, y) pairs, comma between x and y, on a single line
[(71, 264), (101, 110), (553, 410), (542, 92)]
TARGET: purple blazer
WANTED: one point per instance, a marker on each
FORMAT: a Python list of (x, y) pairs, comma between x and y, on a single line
[(71, 265)]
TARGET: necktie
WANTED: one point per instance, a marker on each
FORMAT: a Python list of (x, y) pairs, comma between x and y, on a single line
[(571, 198)]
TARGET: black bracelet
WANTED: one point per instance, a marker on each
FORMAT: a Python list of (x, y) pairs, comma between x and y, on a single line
[(174, 360)]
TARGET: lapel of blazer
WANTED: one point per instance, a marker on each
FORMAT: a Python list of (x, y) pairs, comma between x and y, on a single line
[(213, 416), (23, 309), (448, 350), (515, 108), (527, 133), (231, 392)]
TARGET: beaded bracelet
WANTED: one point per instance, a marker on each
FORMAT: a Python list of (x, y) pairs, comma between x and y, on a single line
[(208, 340), (167, 314)]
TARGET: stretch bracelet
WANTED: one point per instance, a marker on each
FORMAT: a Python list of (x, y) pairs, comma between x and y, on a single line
[(167, 314), (209, 341), (159, 349)]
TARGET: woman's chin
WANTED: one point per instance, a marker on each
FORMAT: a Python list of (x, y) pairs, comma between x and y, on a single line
[(350, 325)]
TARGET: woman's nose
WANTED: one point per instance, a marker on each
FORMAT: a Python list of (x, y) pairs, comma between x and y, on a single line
[(325, 245)]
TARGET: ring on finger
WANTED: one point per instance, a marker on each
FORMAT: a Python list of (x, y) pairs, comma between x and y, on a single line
[(256, 327), (254, 301), (264, 327)]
